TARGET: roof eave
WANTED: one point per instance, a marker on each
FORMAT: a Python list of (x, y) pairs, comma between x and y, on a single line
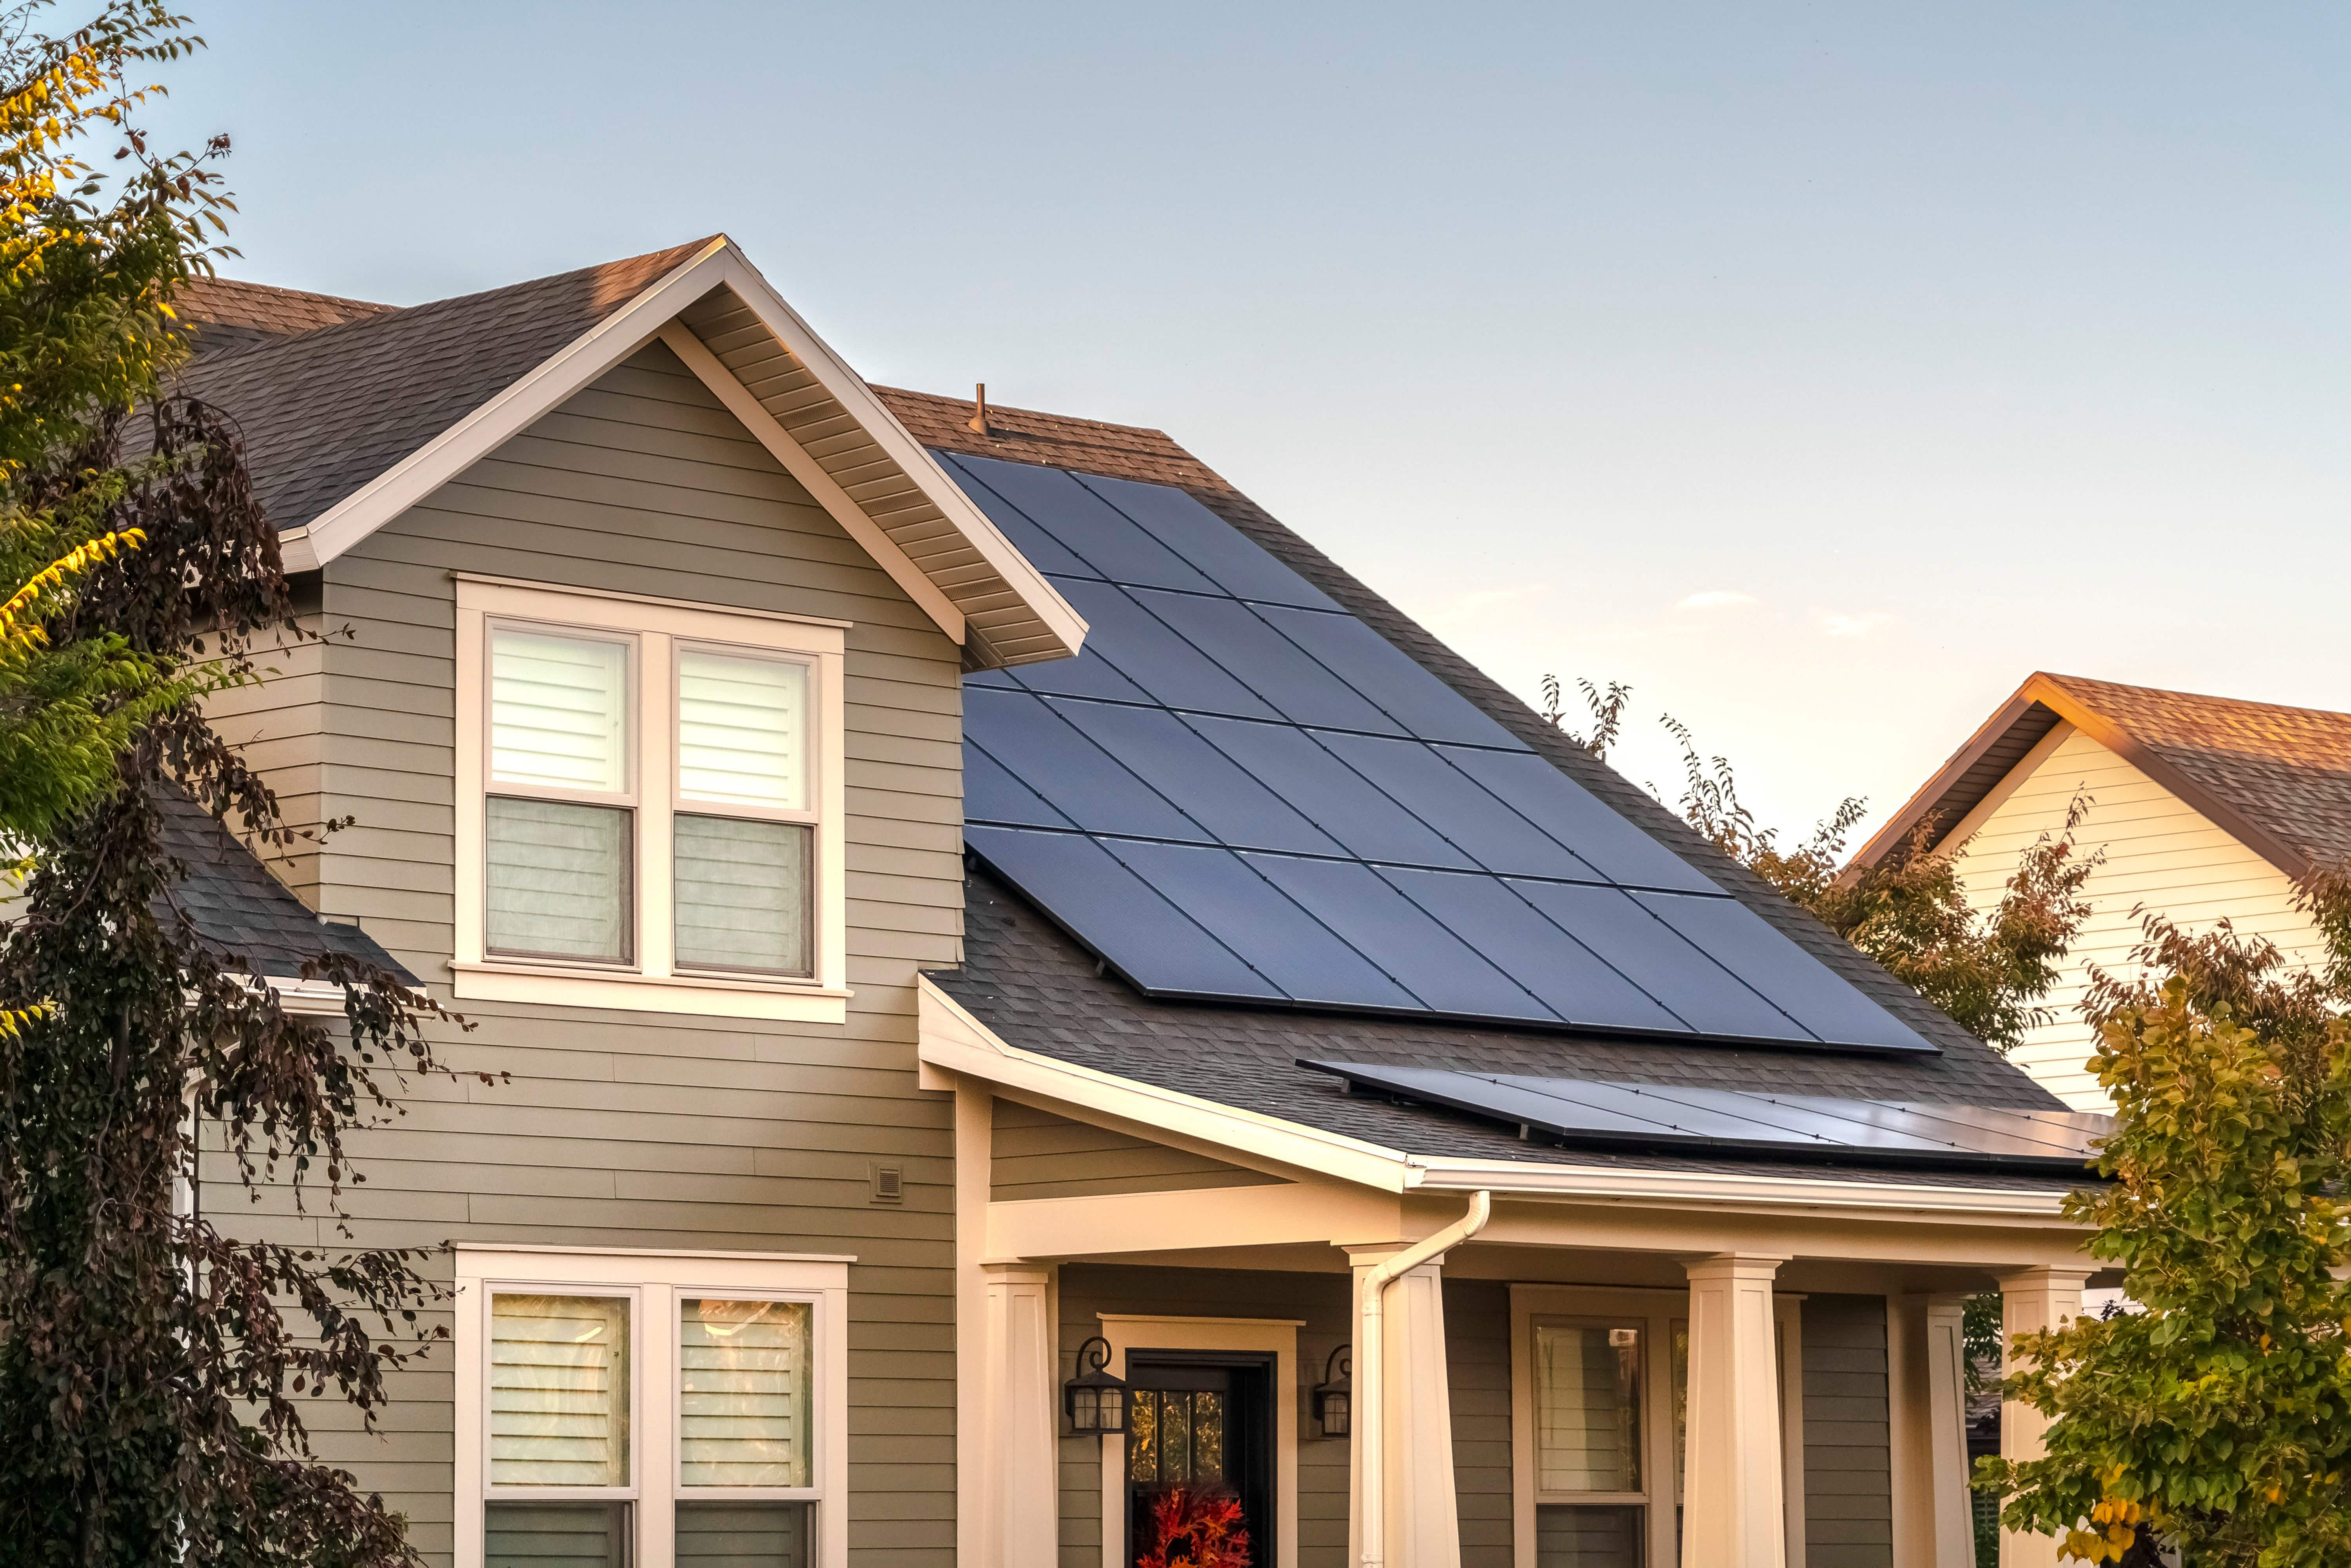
[(1048, 627), (2045, 690)]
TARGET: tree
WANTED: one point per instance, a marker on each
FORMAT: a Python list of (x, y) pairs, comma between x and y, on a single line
[(151, 1367), (1911, 912), (2217, 1413)]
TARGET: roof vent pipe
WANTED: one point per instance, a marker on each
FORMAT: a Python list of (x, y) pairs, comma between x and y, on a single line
[(978, 421), (1371, 1383)]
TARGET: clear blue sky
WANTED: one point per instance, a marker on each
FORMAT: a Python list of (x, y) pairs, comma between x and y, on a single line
[(1821, 371)]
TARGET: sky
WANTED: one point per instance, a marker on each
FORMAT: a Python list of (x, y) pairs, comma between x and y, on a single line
[(1818, 370)]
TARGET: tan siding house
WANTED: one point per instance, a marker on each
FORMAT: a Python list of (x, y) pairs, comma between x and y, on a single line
[(2205, 810), (716, 731)]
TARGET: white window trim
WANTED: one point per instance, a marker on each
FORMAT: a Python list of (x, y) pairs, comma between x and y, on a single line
[(1655, 1313), (1126, 1332), (651, 983), (654, 1281)]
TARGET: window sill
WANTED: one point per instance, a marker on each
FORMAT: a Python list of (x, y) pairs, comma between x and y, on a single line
[(557, 985)]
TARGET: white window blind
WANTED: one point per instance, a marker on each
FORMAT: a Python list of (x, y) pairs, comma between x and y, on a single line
[(1587, 1408), (558, 881), (558, 711), (742, 888), (742, 730), (743, 1393), (558, 1391)]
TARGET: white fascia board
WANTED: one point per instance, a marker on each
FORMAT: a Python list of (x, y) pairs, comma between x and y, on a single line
[(813, 478), (622, 333), (896, 441), (507, 414), (1714, 1190), (951, 1040)]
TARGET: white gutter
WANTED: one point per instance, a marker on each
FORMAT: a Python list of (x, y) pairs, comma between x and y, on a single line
[(1368, 1352)]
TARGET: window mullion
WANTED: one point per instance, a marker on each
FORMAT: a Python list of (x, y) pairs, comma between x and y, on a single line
[(657, 792), (656, 1522)]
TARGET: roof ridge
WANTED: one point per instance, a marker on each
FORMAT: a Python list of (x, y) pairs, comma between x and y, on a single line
[(2077, 683)]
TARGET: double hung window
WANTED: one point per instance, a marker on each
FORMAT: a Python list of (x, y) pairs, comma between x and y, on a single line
[(686, 1418), (1600, 1412), (653, 804)]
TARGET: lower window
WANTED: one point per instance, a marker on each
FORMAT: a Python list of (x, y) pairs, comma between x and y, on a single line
[(678, 1419), (1567, 1536)]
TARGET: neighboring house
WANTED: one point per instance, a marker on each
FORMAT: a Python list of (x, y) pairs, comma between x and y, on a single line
[(947, 886), (2205, 809)]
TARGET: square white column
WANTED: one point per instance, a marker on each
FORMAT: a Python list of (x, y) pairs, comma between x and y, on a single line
[(1927, 1385), (1732, 1508), (1019, 1478), (2030, 1300), (1423, 1526)]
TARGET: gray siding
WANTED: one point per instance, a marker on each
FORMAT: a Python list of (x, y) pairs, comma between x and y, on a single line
[(1477, 1378), (1848, 1468), (644, 1129), (1038, 1154)]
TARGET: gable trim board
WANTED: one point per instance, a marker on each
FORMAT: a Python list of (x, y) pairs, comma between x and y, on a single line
[(954, 1043), (2045, 692), (1044, 625)]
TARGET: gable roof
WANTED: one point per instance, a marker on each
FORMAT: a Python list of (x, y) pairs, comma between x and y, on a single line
[(2277, 780), (1039, 990), (349, 422)]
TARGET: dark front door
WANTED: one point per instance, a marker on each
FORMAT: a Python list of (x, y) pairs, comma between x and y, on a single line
[(1199, 1461)]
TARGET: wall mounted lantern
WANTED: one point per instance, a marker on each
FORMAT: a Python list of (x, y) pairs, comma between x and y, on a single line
[(1096, 1401), (1334, 1396)]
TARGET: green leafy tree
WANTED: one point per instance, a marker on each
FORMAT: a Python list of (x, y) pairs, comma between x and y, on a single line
[(1911, 912), (153, 1369), (2216, 1415)]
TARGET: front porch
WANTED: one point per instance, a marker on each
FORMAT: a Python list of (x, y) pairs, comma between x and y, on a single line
[(1624, 1366)]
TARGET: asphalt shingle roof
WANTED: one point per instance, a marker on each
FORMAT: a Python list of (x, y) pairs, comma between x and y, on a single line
[(1039, 990), (324, 412), (228, 316), (242, 912)]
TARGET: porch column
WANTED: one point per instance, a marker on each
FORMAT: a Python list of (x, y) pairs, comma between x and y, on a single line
[(1423, 1527), (2030, 1300), (1018, 1501), (1926, 1383), (1732, 1509)]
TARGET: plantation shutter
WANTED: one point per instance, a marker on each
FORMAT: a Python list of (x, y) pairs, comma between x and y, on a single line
[(558, 1391), (559, 712), (742, 730), (743, 1394), (1587, 1425)]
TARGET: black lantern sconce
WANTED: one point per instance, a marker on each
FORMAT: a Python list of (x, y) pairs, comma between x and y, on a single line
[(1334, 1396), (1096, 1401)]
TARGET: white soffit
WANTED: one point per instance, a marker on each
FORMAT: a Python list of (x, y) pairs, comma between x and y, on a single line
[(916, 520)]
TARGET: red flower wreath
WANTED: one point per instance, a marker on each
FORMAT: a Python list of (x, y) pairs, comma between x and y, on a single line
[(1197, 1530)]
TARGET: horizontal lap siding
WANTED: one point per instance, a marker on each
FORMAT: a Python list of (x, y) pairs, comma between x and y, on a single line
[(1848, 1465), (640, 1129), (2160, 852), (1477, 1378), (1038, 1154)]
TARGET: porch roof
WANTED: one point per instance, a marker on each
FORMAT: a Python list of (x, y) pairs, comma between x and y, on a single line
[(1038, 991)]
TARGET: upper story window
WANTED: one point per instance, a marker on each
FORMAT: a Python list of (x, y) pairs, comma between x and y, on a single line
[(651, 807)]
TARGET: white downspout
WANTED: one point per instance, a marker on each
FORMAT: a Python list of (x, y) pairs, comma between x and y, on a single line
[(1368, 1361)]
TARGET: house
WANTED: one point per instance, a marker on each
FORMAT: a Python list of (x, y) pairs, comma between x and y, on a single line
[(1033, 1001), (2205, 809)]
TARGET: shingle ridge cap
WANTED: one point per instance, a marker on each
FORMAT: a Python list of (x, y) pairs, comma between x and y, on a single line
[(2083, 685), (1041, 416)]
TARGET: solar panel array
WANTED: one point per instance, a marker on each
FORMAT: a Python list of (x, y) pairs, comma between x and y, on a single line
[(1647, 1118), (1240, 792)]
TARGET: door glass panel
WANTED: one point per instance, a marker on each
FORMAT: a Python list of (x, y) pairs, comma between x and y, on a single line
[(1573, 1537), (1587, 1408)]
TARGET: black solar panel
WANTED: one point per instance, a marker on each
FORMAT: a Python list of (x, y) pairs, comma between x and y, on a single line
[(1238, 790), (1581, 1112)]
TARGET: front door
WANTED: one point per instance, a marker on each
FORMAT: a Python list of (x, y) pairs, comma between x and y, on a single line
[(1199, 1461)]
